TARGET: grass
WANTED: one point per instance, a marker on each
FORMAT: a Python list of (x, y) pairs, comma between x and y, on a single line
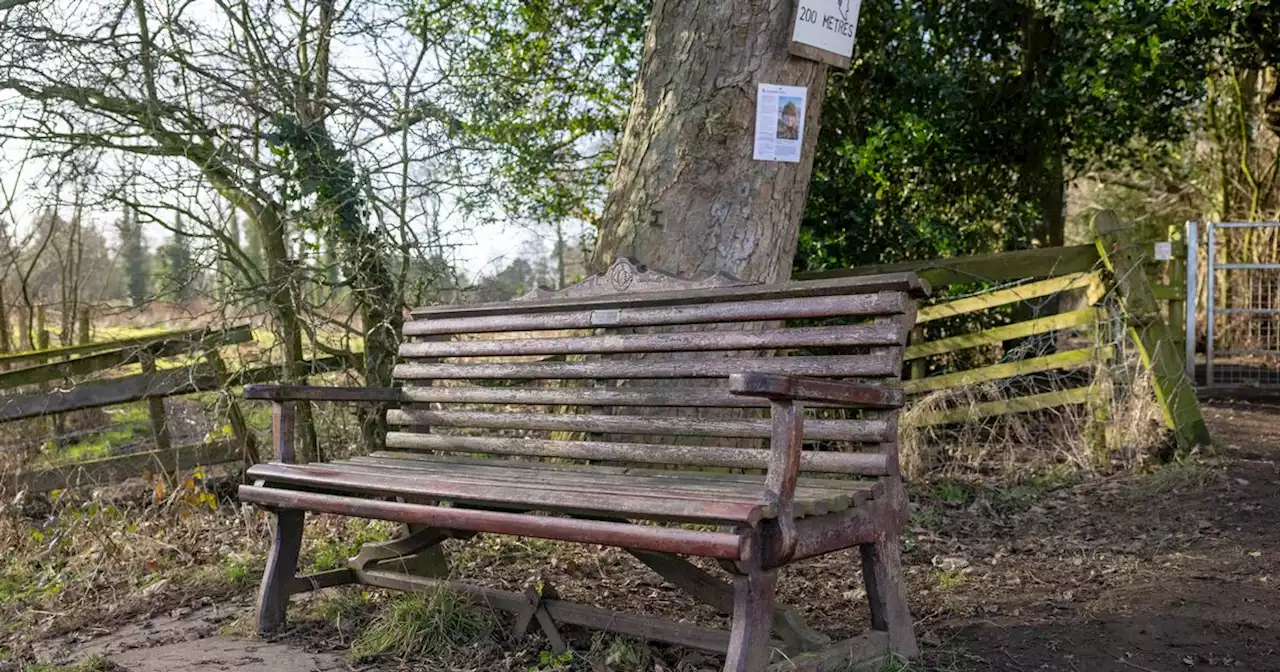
[(1184, 473), (951, 579), (94, 663), (432, 623), (329, 552), (954, 492)]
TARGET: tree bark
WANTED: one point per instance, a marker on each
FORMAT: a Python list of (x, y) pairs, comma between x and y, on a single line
[(687, 197)]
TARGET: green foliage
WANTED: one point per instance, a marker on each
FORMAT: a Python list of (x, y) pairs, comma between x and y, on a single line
[(432, 623), (542, 88), (551, 662), (94, 663), (959, 122)]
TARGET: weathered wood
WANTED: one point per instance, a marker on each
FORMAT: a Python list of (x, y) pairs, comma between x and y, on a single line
[(110, 470), (996, 267), (887, 594), (857, 490), (584, 395), (863, 284), (807, 337), (1042, 325), (682, 634), (1034, 402), (127, 389), (232, 335), (545, 497), (863, 464), (1156, 344), (1071, 359), (835, 392), (879, 363), (155, 409), (282, 567), (753, 601), (321, 580), (324, 393), (1004, 297), (123, 355), (814, 497), (664, 539), (777, 309), (284, 419), (717, 594), (858, 431), (785, 448)]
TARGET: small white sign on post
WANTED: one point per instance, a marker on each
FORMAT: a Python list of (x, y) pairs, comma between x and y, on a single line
[(780, 122), (1164, 251), (825, 29)]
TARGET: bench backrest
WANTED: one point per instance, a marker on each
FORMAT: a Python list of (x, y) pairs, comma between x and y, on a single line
[(620, 367)]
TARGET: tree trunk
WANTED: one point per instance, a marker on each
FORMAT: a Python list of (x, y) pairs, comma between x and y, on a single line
[(687, 197), (285, 300)]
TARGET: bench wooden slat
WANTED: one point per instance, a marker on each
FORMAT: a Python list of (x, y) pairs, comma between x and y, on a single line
[(862, 464), (857, 488), (681, 396), (856, 431), (551, 481), (806, 337), (706, 313), (809, 500), (869, 284), (881, 362), (387, 482)]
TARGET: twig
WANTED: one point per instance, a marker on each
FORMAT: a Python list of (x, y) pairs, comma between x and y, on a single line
[(1135, 666)]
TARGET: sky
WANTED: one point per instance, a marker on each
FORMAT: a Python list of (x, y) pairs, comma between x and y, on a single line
[(477, 248)]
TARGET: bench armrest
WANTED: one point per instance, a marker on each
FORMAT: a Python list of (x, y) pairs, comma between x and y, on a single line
[(801, 388), (280, 393)]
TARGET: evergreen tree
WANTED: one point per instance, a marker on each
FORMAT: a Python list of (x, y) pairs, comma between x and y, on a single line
[(134, 259), (180, 270)]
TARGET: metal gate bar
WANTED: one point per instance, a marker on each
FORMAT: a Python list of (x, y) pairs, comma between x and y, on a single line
[(1263, 299)]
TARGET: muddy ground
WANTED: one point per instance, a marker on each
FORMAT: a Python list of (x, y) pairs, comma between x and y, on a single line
[(1174, 569)]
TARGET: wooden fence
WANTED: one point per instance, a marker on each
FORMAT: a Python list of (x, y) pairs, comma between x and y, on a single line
[(1118, 268), (147, 377)]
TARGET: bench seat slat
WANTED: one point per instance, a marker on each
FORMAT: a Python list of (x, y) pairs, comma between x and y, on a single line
[(879, 363), (856, 431), (810, 499), (887, 333), (851, 485), (812, 307), (652, 396), (581, 500), (553, 481), (863, 464)]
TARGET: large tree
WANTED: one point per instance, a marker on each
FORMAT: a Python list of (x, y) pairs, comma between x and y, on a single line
[(686, 195)]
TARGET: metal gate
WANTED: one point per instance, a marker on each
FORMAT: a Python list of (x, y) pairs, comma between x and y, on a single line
[(1241, 303)]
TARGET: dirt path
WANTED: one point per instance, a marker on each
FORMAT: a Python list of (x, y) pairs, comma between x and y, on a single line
[(1174, 570)]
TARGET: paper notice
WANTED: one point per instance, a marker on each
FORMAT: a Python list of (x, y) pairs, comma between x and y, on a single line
[(1164, 251), (780, 122)]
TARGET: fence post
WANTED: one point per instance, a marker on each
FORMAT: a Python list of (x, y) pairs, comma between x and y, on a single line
[(1175, 392), (1192, 296), (155, 406), (1177, 283)]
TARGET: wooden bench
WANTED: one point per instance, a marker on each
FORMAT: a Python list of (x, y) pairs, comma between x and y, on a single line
[(662, 416)]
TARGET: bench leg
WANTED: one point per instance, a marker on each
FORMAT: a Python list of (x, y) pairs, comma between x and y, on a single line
[(887, 594), (753, 598), (282, 566)]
